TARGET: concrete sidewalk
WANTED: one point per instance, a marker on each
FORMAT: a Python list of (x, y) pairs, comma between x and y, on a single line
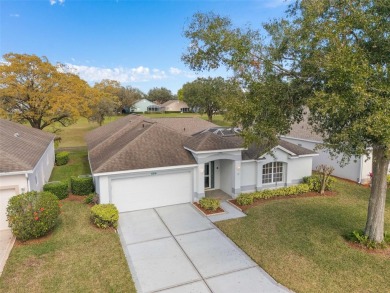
[(7, 241), (176, 249)]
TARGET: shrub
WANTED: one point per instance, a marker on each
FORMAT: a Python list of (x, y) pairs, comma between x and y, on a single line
[(314, 183), (248, 198), (91, 199), (359, 237), (62, 158), (81, 185), (105, 215), (211, 204), (245, 199), (32, 214), (58, 188)]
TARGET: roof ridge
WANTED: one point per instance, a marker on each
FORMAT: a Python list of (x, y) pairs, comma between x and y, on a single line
[(125, 146)]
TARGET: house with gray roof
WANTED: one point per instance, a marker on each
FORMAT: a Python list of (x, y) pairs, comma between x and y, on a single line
[(139, 163), (26, 161), (358, 169)]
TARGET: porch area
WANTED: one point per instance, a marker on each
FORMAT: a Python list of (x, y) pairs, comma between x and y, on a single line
[(217, 194)]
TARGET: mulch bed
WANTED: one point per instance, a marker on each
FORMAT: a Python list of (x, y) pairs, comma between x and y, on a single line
[(262, 201), (379, 251), (209, 212)]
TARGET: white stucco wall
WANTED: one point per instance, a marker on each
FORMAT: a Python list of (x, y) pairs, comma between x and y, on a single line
[(42, 171), (357, 169), (248, 176), (16, 182), (226, 167)]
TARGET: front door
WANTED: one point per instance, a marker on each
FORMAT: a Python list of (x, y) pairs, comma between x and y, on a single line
[(209, 175)]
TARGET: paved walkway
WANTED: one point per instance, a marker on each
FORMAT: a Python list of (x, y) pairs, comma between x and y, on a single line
[(7, 241), (175, 249)]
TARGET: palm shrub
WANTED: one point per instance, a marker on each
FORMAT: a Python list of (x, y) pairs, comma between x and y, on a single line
[(32, 214)]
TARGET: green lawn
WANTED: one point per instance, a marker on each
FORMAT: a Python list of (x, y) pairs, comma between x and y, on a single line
[(300, 242), (76, 257), (77, 165)]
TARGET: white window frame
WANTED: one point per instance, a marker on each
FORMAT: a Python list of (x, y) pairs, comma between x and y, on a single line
[(274, 174)]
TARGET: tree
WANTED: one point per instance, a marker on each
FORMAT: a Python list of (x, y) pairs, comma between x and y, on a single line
[(330, 56), (209, 95), (160, 95), (102, 101), (34, 90), (128, 96)]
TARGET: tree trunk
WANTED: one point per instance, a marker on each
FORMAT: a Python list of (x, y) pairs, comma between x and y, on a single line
[(210, 115), (376, 206)]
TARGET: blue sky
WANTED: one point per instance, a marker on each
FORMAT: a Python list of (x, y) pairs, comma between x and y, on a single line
[(138, 43)]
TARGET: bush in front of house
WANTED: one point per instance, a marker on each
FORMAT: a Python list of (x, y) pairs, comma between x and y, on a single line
[(314, 183), (82, 185), (105, 215), (62, 158), (58, 188), (32, 214), (211, 204), (92, 198), (248, 198)]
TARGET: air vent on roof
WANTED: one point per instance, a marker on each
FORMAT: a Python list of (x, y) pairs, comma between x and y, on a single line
[(16, 134)]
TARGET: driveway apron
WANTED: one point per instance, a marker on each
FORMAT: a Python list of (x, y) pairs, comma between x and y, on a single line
[(176, 249)]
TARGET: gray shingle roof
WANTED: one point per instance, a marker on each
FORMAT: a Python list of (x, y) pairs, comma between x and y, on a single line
[(304, 131), (21, 147), (136, 143)]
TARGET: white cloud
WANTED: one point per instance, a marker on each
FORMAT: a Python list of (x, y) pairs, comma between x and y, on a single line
[(175, 71), (121, 74), (52, 2), (14, 15)]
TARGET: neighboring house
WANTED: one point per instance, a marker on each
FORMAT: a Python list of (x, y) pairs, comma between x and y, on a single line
[(141, 106), (26, 161), (156, 108), (140, 163), (358, 169), (176, 106)]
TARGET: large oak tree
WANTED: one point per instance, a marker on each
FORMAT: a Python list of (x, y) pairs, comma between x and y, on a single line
[(34, 90), (331, 57)]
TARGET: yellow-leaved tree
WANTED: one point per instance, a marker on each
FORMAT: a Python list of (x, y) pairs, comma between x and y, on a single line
[(34, 90)]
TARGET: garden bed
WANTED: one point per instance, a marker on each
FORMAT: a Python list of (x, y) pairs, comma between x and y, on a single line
[(264, 200), (208, 212)]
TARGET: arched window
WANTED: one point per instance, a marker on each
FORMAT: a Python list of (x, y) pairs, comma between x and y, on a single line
[(272, 172)]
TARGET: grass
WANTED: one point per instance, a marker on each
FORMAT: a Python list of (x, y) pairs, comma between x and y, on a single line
[(77, 165), (75, 257), (300, 242)]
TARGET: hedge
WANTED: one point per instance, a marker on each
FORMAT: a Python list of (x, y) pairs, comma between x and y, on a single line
[(211, 204), (32, 214), (82, 185), (248, 198), (62, 158), (105, 215), (58, 188)]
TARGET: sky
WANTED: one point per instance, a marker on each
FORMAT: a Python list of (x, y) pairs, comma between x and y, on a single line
[(138, 43)]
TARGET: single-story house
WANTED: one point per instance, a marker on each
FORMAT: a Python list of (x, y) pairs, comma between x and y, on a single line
[(26, 161), (176, 106), (358, 169), (156, 108), (141, 106), (140, 163)]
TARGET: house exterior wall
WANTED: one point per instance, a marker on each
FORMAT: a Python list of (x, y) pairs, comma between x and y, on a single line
[(42, 171), (357, 169), (248, 176), (226, 172), (16, 182), (142, 106)]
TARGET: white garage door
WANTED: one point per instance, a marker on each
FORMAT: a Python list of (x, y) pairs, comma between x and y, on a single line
[(130, 194), (5, 195)]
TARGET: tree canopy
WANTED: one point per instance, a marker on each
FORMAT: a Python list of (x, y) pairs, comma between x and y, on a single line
[(330, 57), (160, 95), (209, 95), (34, 90)]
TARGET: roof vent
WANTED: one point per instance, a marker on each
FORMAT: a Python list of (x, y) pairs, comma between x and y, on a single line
[(16, 134)]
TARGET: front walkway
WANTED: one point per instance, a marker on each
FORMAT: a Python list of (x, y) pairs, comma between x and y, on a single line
[(7, 241), (176, 249)]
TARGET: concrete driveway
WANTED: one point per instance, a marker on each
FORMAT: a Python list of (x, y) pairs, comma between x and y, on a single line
[(176, 249)]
